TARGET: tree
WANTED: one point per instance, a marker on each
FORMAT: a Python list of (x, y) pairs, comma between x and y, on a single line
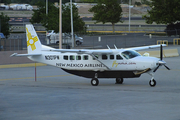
[(78, 23), (51, 20), (89, 1), (7, 2), (107, 11), (65, 1), (4, 21), (163, 12), (38, 14)]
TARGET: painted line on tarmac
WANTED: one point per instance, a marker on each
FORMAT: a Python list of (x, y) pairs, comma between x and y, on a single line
[(125, 31), (21, 65), (37, 77)]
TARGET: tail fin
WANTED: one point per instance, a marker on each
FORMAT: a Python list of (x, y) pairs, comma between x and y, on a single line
[(33, 42)]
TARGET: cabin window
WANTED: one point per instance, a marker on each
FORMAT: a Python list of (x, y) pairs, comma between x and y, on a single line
[(96, 57), (118, 57), (72, 57), (78, 57), (112, 57), (104, 57), (85, 57), (65, 57)]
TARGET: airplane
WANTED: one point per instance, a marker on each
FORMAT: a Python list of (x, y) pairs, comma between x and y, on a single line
[(100, 63)]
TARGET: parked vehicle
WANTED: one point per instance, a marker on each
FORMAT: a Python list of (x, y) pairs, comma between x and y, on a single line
[(21, 7), (66, 38), (79, 40), (50, 32)]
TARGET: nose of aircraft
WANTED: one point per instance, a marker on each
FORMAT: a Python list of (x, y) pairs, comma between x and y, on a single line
[(160, 63)]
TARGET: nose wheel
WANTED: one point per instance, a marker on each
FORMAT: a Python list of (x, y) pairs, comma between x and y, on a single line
[(152, 83)]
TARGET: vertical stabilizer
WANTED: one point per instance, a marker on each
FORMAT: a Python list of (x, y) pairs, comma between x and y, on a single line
[(33, 42)]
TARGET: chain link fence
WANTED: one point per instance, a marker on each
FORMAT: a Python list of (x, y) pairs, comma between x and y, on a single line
[(100, 37)]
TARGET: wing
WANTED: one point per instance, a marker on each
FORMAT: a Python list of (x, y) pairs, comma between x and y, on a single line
[(85, 51), (145, 47)]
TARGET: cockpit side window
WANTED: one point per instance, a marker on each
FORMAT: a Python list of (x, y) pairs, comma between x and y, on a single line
[(130, 54), (118, 57)]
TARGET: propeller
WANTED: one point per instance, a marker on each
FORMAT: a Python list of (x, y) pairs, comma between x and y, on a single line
[(161, 62)]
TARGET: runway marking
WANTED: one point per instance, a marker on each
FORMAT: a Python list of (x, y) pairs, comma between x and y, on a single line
[(34, 77)]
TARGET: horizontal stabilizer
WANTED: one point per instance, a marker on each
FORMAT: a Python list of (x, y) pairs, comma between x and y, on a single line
[(24, 55)]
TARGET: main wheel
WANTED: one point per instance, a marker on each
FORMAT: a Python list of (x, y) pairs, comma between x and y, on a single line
[(152, 83), (119, 80), (94, 82)]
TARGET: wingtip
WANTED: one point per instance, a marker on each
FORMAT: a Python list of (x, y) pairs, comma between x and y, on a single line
[(14, 54)]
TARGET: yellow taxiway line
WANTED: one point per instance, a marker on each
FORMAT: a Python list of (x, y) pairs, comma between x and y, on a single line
[(34, 77)]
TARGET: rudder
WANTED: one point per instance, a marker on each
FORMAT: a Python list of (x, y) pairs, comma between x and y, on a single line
[(33, 42)]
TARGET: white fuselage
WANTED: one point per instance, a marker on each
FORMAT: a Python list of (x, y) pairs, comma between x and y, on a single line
[(74, 61)]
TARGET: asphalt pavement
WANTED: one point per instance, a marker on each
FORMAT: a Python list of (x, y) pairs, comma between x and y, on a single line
[(57, 95)]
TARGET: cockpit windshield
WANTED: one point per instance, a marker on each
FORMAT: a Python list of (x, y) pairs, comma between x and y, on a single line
[(130, 54)]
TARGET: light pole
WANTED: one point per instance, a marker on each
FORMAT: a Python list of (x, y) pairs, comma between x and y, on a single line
[(129, 15), (46, 7), (72, 36), (60, 24)]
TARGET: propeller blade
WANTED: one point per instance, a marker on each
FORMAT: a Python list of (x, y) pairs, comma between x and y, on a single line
[(167, 67), (161, 53), (156, 68)]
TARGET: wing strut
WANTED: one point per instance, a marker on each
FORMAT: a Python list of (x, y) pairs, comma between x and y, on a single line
[(115, 47), (99, 61)]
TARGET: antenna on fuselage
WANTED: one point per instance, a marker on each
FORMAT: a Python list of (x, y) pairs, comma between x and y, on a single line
[(108, 47), (115, 46)]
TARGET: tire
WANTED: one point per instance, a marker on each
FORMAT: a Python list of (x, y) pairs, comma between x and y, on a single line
[(119, 80), (57, 42), (152, 83), (78, 43), (94, 82)]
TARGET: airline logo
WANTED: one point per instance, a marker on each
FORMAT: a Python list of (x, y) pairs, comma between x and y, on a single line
[(31, 40), (114, 63), (122, 63)]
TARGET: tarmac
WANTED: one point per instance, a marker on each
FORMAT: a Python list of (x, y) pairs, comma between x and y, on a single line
[(57, 95)]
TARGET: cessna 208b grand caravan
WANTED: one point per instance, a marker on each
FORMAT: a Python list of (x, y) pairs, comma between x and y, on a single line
[(108, 63)]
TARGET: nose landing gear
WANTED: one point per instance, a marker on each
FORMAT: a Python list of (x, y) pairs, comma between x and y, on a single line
[(152, 83)]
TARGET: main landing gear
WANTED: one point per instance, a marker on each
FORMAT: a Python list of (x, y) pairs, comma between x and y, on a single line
[(95, 81), (119, 80)]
